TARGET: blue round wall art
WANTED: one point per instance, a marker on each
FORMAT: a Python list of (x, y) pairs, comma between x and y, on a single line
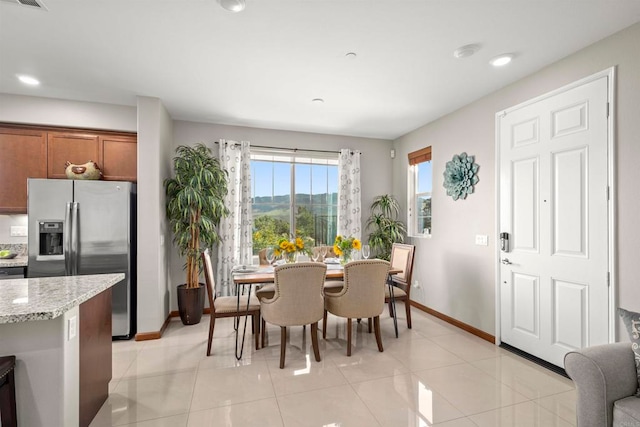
[(460, 175)]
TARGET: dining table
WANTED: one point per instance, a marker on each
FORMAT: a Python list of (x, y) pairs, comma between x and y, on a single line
[(245, 277)]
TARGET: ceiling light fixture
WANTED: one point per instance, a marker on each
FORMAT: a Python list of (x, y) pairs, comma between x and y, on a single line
[(317, 101), (28, 80), (501, 60), (350, 55), (233, 5), (466, 51)]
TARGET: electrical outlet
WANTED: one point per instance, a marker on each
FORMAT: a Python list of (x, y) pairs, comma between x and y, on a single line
[(482, 240), (73, 327), (416, 284), (18, 231)]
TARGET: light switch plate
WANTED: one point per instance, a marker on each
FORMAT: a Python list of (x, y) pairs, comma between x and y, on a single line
[(18, 231), (482, 240)]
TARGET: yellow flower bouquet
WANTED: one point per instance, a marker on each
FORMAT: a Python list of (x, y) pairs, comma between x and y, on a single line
[(288, 249), (344, 246)]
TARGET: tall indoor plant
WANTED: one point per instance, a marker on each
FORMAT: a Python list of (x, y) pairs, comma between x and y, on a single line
[(195, 206), (386, 228)]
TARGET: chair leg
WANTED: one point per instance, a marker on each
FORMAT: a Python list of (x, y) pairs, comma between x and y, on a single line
[(349, 337), (212, 324), (263, 331), (314, 340), (283, 344), (391, 312), (376, 325), (407, 306), (324, 325), (369, 324), (256, 329)]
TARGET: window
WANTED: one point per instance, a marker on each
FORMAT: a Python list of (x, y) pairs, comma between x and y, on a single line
[(311, 212), (420, 187)]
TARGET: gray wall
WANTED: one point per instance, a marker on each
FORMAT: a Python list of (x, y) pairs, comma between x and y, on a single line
[(376, 163), (155, 138), (456, 277)]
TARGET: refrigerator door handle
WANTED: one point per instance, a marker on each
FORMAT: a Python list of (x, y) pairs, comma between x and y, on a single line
[(74, 238), (67, 240)]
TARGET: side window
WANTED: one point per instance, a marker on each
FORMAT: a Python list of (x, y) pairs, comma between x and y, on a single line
[(420, 181)]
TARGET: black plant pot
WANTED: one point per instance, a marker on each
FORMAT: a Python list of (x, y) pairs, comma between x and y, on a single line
[(190, 304)]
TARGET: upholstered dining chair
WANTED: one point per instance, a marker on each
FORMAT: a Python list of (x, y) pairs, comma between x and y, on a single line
[(401, 259), (361, 297), (297, 301), (227, 306)]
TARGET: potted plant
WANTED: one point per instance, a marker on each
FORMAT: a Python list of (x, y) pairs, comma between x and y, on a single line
[(195, 206), (387, 229)]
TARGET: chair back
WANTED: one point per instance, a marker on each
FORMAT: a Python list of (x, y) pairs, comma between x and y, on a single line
[(298, 296), (209, 280), (363, 291), (402, 259), (262, 257)]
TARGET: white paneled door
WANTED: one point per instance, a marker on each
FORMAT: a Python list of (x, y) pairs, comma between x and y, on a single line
[(554, 195)]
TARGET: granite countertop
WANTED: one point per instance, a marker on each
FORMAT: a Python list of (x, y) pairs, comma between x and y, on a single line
[(19, 261), (23, 300)]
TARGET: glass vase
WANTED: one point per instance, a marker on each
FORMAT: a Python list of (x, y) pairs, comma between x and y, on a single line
[(345, 257)]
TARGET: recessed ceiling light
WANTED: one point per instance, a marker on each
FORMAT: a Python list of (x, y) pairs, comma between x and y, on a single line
[(501, 60), (233, 5), (350, 55), (317, 100), (466, 51), (28, 80)]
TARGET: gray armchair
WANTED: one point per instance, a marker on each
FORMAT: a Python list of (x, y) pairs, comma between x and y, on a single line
[(606, 383)]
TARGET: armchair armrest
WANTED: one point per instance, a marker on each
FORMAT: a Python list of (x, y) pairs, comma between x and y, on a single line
[(602, 374)]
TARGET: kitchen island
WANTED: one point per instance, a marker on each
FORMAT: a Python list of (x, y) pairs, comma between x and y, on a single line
[(59, 329)]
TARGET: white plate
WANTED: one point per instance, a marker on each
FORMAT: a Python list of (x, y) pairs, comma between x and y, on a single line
[(245, 269), (332, 261)]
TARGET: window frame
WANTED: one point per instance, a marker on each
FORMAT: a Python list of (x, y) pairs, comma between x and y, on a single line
[(293, 158), (415, 159)]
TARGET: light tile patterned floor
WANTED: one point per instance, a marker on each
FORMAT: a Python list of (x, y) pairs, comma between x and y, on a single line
[(433, 375)]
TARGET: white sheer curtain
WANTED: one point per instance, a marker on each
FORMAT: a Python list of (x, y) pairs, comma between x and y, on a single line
[(349, 204), (236, 246)]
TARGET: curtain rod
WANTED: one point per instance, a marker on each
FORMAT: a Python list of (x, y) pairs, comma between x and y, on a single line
[(293, 149)]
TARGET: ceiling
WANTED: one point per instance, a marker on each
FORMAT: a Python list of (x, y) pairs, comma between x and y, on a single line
[(263, 66)]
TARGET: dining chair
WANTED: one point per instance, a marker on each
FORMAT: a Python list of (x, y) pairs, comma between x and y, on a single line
[(228, 306), (361, 297), (297, 301), (402, 259)]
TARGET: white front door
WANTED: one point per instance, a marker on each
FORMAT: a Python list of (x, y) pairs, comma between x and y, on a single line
[(554, 278)]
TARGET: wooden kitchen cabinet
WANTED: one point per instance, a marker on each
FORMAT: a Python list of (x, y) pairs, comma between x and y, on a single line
[(74, 147), (23, 154), (119, 157)]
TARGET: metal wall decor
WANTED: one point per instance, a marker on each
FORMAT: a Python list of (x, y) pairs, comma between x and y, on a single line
[(460, 175)]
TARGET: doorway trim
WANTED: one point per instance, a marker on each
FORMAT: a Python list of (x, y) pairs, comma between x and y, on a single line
[(611, 185)]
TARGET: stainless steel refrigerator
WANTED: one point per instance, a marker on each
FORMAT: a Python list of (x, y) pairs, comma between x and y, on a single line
[(86, 227)]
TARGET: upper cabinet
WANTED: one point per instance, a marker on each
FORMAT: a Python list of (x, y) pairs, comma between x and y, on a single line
[(33, 152), (119, 158), (76, 148), (23, 154)]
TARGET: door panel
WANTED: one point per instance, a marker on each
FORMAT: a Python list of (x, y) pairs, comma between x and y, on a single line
[(553, 203), (571, 186)]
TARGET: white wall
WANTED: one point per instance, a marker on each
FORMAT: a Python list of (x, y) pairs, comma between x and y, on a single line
[(155, 135), (376, 163), (457, 277), (59, 112)]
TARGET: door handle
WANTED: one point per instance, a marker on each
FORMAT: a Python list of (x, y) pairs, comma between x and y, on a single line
[(505, 261), (67, 240), (74, 238)]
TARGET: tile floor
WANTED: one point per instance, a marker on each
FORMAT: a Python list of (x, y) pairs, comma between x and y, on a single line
[(433, 375)]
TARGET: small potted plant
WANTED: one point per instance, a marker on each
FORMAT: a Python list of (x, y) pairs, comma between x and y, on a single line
[(195, 206)]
